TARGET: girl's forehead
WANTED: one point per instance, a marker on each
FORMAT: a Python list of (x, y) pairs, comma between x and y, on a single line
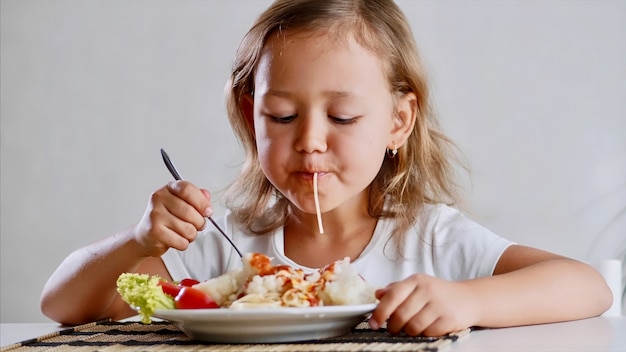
[(314, 62), (322, 40)]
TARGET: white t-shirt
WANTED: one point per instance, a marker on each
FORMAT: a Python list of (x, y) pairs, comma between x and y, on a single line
[(444, 243)]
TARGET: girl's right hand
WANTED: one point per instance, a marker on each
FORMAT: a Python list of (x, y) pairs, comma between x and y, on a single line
[(175, 214)]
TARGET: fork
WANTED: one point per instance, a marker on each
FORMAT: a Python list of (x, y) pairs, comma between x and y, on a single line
[(174, 172)]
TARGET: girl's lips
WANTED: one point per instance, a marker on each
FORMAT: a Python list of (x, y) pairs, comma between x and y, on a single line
[(309, 174)]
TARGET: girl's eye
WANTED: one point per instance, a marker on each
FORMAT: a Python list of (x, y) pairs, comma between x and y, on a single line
[(290, 118), (285, 119), (343, 121)]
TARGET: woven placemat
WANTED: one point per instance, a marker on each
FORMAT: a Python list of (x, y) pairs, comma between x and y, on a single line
[(108, 336)]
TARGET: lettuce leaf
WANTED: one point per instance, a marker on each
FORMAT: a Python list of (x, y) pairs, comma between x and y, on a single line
[(143, 292)]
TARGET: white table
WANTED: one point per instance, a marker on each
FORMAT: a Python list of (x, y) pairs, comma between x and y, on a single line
[(588, 335)]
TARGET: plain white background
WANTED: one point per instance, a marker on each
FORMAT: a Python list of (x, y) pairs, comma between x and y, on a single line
[(533, 92)]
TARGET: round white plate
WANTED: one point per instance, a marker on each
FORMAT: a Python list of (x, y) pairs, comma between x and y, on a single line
[(266, 325)]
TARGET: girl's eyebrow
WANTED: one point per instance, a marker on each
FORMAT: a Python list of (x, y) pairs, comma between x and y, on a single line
[(327, 93), (277, 93)]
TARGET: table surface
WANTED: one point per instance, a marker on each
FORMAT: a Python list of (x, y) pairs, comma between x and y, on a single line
[(594, 334)]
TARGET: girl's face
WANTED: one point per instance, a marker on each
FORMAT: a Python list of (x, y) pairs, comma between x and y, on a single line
[(321, 106)]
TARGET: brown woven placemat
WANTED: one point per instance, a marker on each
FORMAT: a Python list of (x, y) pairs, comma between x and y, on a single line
[(108, 336)]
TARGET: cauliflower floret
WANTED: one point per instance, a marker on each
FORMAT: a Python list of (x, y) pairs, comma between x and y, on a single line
[(345, 286), (224, 289)]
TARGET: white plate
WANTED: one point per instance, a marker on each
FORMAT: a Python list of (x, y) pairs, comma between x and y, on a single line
[(266, 325)]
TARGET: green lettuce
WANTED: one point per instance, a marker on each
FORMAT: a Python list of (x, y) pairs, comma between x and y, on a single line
[(143, 292)]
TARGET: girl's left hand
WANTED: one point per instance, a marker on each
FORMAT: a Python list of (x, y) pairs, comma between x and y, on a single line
[(422, 304)]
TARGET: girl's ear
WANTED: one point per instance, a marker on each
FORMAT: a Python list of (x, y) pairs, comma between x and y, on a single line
[(404, 121), (247, 109)]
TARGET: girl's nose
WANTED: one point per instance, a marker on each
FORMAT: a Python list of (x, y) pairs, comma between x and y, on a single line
[(312, 134)]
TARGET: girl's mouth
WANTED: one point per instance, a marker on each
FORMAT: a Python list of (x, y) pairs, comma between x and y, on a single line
[(308, 175)]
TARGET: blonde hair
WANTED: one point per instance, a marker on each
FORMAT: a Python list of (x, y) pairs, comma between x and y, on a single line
[(421, 172)]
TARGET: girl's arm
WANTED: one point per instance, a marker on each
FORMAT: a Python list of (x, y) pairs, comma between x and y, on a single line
[(529, 286), (83, 288)]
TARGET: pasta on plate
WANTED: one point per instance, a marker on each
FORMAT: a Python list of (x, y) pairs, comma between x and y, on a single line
[(259, 284)]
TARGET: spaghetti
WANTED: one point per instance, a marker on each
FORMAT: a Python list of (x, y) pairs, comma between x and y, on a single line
[(317, 204)]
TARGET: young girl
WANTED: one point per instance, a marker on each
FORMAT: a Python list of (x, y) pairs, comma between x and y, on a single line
[(333, 92)]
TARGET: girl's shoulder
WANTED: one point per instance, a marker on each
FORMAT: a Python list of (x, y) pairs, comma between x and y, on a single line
[(440, 214), (441, 223)]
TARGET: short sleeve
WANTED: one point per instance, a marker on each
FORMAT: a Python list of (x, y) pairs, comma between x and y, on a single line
[(461, 248)]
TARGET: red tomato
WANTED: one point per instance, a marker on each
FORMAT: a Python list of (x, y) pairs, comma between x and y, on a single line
[(188, 282), (192, 298), (169, 288)]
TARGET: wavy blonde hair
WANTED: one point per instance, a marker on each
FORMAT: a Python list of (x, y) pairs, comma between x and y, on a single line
[(422, 171)]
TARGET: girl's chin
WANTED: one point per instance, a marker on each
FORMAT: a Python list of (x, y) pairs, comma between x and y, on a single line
[(303, 209), (301, 202)]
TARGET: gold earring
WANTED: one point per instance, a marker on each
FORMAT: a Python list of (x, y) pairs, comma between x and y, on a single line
[(391, 153)]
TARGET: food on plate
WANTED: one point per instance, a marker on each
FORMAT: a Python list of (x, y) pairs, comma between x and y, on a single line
[(148, 293), (258, 284), (144, 293), (192, 298)]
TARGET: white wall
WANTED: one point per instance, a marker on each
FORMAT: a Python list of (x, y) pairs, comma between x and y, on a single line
[(533, 92)]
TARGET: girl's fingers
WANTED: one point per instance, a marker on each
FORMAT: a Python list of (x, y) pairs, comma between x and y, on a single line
[(198, 198), (183, 229), (174, 232), (411, 308), (189, 205), (408, 306), (438, 328), (419, 322), (155, 237), (172, 218), (209, 210), (172, 238), (389, 300), (380, 292)]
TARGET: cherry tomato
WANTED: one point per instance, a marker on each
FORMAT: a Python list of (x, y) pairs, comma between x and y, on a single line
[(188, 282), (192, 298), (169, 288)]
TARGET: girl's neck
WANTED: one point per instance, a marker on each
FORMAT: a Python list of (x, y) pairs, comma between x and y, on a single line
[(341, 222), (346, 234)]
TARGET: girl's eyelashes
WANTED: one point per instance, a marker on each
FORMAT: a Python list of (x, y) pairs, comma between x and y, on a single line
[(285, 119), (338, 120), (343, 121)]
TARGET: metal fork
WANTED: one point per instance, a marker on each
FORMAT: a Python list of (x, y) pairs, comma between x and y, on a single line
[(174, 172)]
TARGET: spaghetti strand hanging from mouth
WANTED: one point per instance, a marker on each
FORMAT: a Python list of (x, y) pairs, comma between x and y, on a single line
[(317, 204)]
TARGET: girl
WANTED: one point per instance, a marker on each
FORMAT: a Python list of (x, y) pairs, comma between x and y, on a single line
[(335, 90)]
